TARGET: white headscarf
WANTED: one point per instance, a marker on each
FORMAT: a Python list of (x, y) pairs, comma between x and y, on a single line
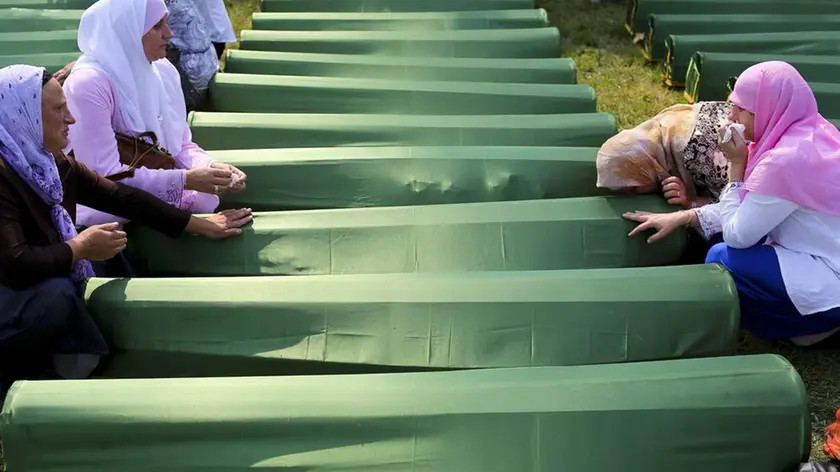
[(110, 38)]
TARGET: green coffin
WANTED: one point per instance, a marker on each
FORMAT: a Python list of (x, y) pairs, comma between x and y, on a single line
[(515, 43), (392, 6), (681, 48), (638, 11), (47, 4), (828, 98), (709, 71), (352, 177), (554, 70), (51, 62), (661, 26), (25, 19), (424, 21), (269, 130), (37, 42), (727, 414), (569, 233), (370, 323), (288, 94)]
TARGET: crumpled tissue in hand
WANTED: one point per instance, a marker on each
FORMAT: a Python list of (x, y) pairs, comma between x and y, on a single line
[(736, 127)]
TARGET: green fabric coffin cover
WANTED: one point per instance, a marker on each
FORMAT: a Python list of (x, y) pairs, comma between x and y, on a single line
[(424, 21), (37, 42), (51, 62), (727, 414), (392, 6), (681, 48), (288, 94), (718, 67), (270, 130), (47, 4), (318, 178), (638, 11), (278, 325), (661, 26), (515, 43), (554, 70), (709, 72), (569, 233), (25, 19), (828, 98)]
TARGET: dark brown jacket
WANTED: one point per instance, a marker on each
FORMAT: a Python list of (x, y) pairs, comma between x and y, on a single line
[(30, 247)]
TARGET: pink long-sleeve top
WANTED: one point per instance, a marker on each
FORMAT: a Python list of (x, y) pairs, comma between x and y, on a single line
[(90, 97)]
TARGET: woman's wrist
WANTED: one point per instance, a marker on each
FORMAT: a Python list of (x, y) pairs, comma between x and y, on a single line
[(736, 172), (689, 218), (196, 225), (76, 248)]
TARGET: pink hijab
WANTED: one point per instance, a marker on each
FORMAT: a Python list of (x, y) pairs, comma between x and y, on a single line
[(796, 153)]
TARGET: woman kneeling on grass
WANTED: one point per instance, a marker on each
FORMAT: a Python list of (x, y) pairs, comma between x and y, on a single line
[(780, 212), (45, 328)]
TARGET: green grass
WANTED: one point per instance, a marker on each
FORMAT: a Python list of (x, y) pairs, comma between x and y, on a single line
[(594, 36), (631, 89)]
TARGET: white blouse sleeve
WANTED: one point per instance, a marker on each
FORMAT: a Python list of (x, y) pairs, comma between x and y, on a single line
[(744, 223), (708, 217)]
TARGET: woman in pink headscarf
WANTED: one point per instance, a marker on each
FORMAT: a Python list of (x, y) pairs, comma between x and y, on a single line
[(780, 212), (123, 83)]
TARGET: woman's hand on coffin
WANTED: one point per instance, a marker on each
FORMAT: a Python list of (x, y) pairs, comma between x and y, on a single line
[(222, 225), (662, 223)]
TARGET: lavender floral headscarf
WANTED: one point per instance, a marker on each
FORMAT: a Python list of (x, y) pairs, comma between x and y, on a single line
[(22, 148)]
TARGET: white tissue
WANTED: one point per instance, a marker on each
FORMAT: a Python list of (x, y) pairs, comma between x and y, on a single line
[(233, 180), (736, 127)]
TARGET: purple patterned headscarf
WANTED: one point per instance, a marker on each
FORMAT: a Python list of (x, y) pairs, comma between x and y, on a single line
[(22, 148)]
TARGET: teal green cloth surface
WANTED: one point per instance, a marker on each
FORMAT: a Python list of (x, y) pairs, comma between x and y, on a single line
[(718, 67), (37, 42), (730, 414), (552, 70), (681, 48), (397, 6), (568, 233), (52, 62), (279, 325), (662, 26), (514, 43), (421, 21), (708, 74), (352, 177), (250, 93), (271, 130), (638, 11), (47, 4), (32, 20)]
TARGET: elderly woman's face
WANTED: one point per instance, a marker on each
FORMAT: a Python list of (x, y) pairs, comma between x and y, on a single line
[(155, 41), (55, 116)]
